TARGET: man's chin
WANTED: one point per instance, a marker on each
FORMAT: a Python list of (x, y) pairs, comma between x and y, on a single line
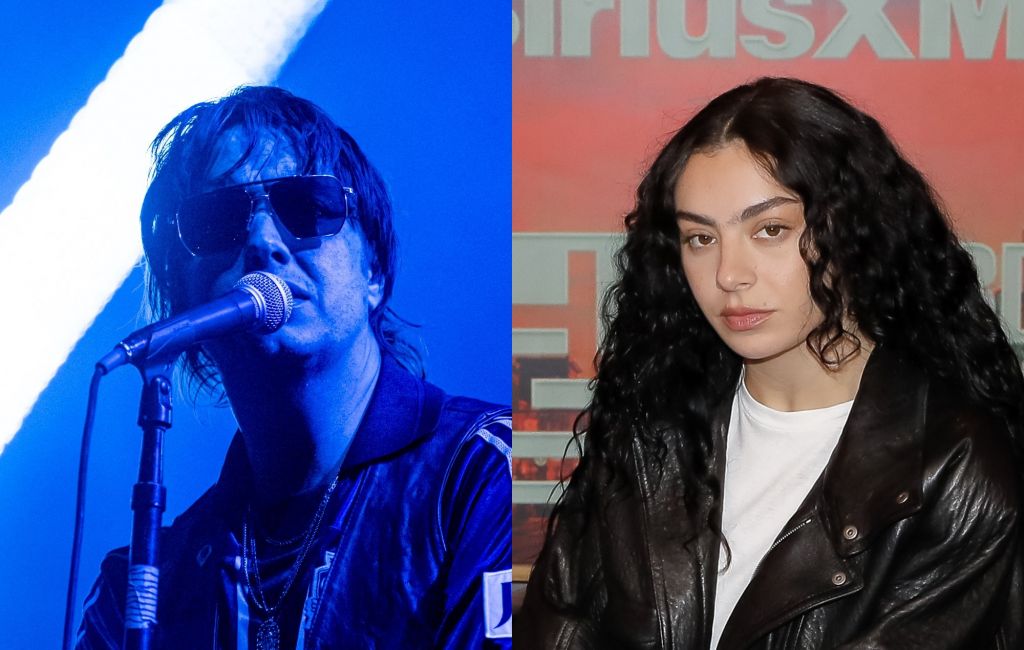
[(288, 341), (252, 348)]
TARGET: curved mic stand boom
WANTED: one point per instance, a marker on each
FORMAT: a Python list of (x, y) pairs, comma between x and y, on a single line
[(259, 301)]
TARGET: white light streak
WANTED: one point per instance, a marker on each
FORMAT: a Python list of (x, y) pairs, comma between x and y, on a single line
[(71, 234)]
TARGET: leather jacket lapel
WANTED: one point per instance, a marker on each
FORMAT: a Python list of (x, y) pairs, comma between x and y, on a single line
[(808, 564), (680, 565), (802, 570), (885, 430), (683, 566)]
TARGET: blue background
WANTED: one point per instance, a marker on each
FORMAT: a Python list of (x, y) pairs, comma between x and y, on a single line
[(425, 89)]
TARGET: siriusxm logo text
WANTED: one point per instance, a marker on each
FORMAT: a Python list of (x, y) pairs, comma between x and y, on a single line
[(979, 24)]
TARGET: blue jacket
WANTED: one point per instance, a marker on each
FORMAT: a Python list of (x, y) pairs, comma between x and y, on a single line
[(420, 549)]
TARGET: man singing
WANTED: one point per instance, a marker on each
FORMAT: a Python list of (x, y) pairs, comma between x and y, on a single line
[(359, 506)]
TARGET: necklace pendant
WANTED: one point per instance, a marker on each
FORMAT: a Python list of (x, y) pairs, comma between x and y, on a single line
[(268, 636)]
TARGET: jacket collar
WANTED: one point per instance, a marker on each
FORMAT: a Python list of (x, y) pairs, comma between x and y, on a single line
[(402, 410), (875, 474), (884, 429), (874, 477)]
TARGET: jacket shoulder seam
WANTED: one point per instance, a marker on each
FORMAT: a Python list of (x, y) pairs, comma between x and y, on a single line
[(477, 429)]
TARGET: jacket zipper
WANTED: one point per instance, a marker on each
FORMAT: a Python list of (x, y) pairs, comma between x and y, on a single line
[(778, 541)]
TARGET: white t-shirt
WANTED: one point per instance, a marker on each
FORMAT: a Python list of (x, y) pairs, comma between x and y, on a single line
[(772, 460)]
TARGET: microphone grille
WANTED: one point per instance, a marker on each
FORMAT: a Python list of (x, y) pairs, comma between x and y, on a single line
[(275, 296)]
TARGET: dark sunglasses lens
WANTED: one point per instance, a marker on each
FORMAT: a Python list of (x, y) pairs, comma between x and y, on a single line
[(309, 206), (214, 222)]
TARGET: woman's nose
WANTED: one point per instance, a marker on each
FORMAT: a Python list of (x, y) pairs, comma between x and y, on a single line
[(735, 271)]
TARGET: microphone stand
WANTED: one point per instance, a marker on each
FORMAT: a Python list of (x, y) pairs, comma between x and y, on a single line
[(148, 504)]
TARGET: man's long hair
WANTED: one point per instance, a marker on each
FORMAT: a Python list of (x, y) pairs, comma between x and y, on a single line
[(182, 154), (877, 245)]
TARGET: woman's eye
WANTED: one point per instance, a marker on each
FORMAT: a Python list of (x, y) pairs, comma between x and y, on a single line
[(699, 241), (773, 230)]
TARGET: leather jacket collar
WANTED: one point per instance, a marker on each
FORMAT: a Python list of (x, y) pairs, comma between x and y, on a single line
[(851, 502), (885, 429)]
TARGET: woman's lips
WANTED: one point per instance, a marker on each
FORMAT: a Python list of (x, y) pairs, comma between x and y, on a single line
[(745, 321)]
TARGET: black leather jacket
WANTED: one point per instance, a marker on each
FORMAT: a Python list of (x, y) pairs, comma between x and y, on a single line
[(909, 539)]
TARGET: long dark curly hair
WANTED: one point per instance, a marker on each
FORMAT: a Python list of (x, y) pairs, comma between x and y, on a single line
[(879, 249)]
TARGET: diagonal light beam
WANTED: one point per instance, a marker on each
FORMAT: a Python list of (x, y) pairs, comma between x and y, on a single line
[(74, 224)]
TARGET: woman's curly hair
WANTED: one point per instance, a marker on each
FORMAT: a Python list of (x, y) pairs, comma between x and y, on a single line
[(879, 249)]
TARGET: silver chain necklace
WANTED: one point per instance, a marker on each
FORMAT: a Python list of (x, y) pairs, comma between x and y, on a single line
[(268, 635)]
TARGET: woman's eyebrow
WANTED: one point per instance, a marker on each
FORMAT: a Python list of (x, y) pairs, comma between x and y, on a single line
[(748, 213)]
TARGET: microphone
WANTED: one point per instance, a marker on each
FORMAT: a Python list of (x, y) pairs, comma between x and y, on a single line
[(260, 301)]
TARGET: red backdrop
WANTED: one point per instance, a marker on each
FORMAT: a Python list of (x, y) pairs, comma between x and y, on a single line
[(599, 85)]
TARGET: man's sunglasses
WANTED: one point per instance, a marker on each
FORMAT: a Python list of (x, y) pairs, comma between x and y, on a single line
[(307, 206)]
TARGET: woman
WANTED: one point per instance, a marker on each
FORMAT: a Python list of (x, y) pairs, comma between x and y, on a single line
[(806, 428)]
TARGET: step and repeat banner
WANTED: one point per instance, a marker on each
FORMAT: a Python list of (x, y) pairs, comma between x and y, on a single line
[(599, 85)]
